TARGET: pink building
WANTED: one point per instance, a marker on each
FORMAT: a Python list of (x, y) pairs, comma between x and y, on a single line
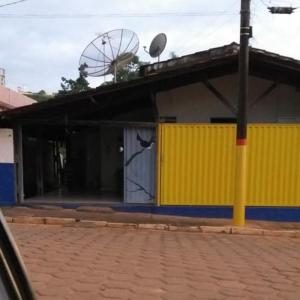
[(10, 99)]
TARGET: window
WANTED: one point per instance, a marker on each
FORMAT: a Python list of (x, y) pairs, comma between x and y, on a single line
[(168, 119), (223, 120)]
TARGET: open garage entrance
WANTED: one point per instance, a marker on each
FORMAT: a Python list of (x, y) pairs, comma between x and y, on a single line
[(105, 164)]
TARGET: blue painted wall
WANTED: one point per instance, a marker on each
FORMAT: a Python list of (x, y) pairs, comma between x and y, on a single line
[(7, 184), (283, 214)]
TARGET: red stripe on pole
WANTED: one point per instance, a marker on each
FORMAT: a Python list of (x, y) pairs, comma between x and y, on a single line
[(241, 142)]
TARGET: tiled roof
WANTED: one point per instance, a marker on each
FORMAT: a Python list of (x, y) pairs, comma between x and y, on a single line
[(210, 55), (10, 99)]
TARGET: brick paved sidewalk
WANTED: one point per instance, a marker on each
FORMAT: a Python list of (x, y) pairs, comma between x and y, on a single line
[(107, 263)]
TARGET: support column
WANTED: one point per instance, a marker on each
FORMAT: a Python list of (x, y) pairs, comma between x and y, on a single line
[(19, 163), (40, 169)]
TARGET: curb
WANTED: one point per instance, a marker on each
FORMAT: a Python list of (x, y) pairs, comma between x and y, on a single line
[(72, 222), (58, 221)]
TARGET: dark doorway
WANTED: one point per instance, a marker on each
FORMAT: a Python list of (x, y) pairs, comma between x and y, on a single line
[(86, 164)]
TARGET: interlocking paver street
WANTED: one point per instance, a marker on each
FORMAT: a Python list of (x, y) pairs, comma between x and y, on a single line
[(114, 263)]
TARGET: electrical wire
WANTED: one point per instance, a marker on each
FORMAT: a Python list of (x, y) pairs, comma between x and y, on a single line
[(12, 3), (264, 3), (221, 26), (270, 2), (114, 15), (262, 25), (212, 30)]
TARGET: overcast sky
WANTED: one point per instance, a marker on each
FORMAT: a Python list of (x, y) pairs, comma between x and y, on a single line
[(37, 52)]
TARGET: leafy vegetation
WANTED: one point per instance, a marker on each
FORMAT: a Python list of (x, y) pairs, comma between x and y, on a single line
[(81, 84), (40, 96), (70, 86), (131, 70)]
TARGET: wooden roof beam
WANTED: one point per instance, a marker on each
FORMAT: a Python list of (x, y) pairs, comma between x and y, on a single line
[(221, 97), (267, 92)]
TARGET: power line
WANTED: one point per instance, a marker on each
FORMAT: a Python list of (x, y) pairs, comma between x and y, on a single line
[(12, 3), (210, 35), (212, 28), (264, 3), (277, 2), (114, 15)]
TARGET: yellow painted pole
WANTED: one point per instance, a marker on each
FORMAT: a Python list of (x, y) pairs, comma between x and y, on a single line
[(241, 184), (159, 137)]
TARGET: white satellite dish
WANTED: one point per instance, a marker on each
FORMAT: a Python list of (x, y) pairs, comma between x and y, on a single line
[(158, 45), (109, 52)]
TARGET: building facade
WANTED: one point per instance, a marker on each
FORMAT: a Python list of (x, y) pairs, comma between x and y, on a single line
[(165, 141)]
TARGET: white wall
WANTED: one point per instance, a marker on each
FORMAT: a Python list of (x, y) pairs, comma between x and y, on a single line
[(195, 103), (6, 146)]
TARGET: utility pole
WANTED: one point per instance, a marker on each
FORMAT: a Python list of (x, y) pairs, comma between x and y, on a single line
[(241, 137)]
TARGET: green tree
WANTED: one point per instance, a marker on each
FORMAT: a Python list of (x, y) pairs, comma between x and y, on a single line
[(40, 96), (126, 73), (70, 86), (131, 70), (173, 55)]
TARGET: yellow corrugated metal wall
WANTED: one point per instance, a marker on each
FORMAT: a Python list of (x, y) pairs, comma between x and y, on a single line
[(196, 165), (274, 165)]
